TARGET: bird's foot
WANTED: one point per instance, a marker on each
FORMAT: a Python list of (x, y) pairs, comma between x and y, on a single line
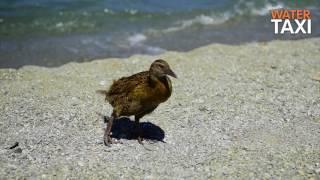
[(106, 119), (140, 139), (108, 141)]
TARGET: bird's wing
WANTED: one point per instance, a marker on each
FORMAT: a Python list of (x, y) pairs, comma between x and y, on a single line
[(126, 85)]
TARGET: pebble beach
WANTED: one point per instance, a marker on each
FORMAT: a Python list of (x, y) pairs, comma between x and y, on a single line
[(249, 111)]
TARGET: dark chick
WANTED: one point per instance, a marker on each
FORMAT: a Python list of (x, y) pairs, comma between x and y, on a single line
[(139, 95)]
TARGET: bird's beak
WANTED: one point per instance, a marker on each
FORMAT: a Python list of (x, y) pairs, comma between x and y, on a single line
[(171, 73)]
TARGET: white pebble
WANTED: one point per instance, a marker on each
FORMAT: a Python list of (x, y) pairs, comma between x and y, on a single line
[(102, 83)]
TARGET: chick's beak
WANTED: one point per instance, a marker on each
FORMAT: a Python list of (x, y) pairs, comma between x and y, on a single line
[(171, 73)]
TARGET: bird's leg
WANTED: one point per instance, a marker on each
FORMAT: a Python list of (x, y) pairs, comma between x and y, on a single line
[(107, 138), (138, 129), (107, 134)]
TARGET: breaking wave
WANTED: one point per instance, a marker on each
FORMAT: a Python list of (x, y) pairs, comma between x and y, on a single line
[(242, 8)]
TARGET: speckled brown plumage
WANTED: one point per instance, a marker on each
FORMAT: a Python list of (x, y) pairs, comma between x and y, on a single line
[(139, 94)]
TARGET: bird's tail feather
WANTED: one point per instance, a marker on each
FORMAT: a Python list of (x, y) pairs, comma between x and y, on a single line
[(103, 92)]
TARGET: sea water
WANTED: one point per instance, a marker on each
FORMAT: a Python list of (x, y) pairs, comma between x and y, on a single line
[(55, 32)]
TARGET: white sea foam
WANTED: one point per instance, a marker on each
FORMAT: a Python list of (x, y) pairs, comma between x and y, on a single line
[(154, 50), (131, 11), (216, 19), (59, 25), (136, 39), (266, 9), (201, 19), (108, 11)]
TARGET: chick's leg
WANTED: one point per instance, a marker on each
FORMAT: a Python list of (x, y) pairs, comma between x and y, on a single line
[(107, 138), (107, 134), (138, 129)]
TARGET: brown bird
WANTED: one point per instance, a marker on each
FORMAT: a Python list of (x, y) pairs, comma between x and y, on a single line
[(138, 95)]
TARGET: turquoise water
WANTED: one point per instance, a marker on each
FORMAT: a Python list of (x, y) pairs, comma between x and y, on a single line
[(54, 32)]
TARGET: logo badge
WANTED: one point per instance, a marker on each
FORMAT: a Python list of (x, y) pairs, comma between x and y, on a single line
[(293, 21)]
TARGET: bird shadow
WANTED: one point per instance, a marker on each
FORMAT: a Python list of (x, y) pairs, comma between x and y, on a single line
[(124, 128)]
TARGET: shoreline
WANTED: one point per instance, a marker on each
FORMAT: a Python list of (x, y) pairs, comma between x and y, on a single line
[(237, 111), (153, 51)]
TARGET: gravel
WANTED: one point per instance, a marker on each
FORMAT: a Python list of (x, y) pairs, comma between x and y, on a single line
[(237, 112)]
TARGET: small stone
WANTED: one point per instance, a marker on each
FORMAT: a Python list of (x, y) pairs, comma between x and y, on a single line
[(74, 103), (198, 101), (203, 108), (316, 77), (267, 176), (102, 83), (18, 150), (245, 148), (99, 141), (301, 172), (286, 119), (80, 163)]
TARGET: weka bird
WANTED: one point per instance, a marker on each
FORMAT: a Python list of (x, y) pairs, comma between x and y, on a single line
[(138, 95)]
